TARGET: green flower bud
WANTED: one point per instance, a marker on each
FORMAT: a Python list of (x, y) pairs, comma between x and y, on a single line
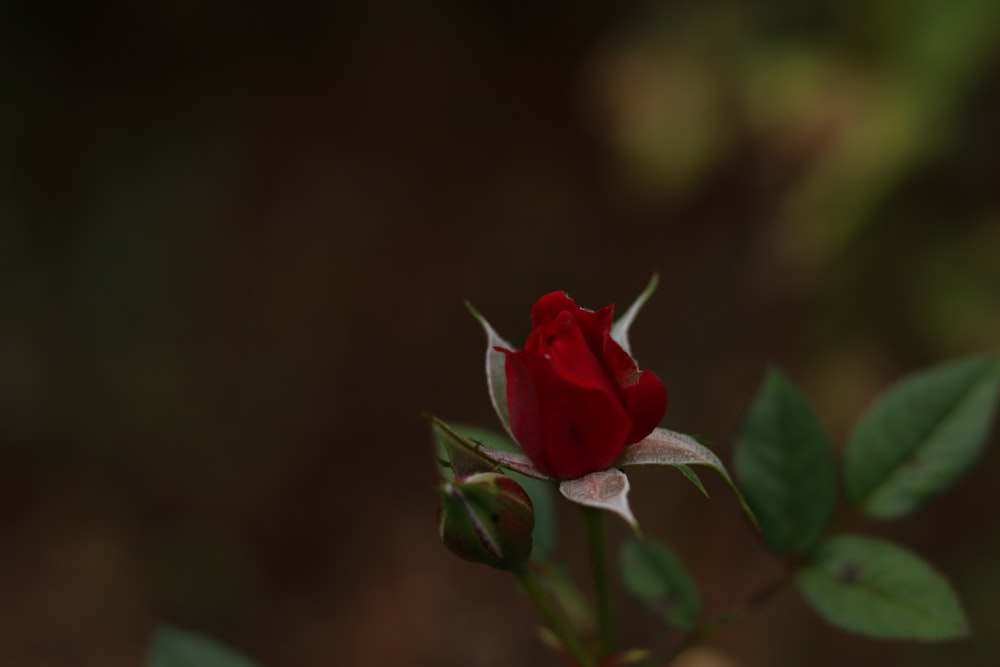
[(487, 518)]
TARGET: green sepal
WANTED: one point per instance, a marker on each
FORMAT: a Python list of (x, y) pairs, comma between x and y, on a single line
[(496, 369), (665, 447), (542, 493), (620, 329), (605, 490), (510, 460), (487, 518)]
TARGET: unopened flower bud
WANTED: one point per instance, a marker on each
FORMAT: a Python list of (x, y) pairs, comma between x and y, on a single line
[(487, 518)]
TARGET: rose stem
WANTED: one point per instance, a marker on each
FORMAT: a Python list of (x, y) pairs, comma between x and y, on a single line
[(596, 538), (555, 617)]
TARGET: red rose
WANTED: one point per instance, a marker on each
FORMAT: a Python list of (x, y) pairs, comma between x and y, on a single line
[(575, 397)]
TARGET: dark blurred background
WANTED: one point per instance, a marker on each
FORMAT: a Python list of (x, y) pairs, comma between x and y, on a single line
[(235, 242)]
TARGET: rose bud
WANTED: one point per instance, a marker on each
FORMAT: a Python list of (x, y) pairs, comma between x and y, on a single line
[(575, 397), (487, 518)]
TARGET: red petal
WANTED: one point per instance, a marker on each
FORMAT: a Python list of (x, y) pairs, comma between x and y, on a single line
[(551, 305), (596, 327), (561, 341), (620, 365), (524, 407), (646, 403), (566, 429)]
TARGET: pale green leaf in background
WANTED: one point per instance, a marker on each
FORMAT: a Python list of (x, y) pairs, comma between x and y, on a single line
[(785, 465), (876, 588), (920, 436), (173, 647), (655, 576)]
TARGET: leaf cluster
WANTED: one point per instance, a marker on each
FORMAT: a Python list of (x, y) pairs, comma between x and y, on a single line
[(916, 439)]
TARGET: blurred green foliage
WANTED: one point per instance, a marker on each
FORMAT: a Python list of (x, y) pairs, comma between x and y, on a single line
[(179, 648)]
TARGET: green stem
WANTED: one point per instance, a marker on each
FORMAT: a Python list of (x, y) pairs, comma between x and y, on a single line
[(597, 542), (558, 621)]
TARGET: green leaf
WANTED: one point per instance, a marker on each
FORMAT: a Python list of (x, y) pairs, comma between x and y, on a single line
[(785, 465), (920, 436), (658, 579), (619, 331), (878, 589), (541, 492), (663, 447), (496, 370), (605, 489), (172, 647)]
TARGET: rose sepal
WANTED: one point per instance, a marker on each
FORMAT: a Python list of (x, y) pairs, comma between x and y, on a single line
[(619, 332), (452, 439), (496, 374), (604, 490), (665, 447)]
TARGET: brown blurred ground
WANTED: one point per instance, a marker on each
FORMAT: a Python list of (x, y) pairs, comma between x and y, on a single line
[(234, 245)]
